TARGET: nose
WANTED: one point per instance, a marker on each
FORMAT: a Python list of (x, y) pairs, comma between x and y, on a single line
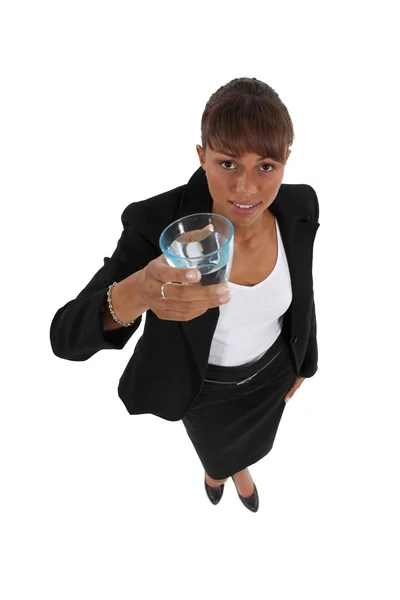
[(245, 185)]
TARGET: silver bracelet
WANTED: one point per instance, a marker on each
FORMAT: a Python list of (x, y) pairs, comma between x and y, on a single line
[(111, 308)]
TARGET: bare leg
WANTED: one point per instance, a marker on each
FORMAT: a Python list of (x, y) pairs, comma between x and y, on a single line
[(244, 483), (215, 482)]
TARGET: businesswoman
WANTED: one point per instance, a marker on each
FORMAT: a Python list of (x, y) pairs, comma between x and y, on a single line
[(223, 359)]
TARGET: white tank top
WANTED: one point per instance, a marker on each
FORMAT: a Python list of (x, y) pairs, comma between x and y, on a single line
[(250, 323)]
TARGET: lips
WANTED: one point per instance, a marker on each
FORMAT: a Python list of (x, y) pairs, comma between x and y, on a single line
[(249, 209), (244, 203)]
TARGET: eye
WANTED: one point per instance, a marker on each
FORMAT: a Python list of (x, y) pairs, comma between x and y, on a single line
[(226, 161), (267, 165), (231, 162)]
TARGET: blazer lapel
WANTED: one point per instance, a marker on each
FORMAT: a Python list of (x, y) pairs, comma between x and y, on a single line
[(297, 232)]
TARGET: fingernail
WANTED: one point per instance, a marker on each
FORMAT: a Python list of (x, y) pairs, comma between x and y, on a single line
[(223, 289), (226, 298), (193, 275)]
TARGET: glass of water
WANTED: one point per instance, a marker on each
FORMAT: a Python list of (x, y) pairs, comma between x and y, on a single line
[(202, 241)]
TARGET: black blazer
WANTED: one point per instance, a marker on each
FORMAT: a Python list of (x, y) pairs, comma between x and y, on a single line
[(166, 371)]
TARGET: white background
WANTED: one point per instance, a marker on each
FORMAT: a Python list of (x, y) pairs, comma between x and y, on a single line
[(100, 107)]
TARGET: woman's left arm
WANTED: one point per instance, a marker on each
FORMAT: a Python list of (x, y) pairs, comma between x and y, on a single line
[(310, 362)]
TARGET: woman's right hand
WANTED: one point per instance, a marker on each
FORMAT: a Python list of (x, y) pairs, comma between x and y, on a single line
[(184, 302)]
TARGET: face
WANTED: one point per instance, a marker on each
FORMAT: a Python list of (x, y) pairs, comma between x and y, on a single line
[(251, 179)]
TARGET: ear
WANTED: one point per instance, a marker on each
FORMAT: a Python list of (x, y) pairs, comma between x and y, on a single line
[(201, 154)]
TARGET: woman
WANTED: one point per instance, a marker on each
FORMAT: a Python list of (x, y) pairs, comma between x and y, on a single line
[(223, 365)]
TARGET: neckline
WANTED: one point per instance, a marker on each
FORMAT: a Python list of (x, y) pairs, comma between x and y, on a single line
[(278, 258)]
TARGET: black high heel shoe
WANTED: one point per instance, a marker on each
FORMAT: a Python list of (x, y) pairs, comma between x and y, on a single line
[(250, 502), (214, 494)]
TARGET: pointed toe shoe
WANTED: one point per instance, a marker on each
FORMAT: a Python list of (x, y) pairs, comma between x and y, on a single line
[(214, 494), (250, 502)]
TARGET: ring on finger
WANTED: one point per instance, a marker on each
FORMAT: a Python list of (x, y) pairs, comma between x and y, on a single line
[(162, 289)]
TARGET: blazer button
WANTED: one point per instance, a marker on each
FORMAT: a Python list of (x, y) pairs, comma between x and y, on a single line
[(294, 339)]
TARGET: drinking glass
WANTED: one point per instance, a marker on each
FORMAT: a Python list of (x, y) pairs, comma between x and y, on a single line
[(203, 241)]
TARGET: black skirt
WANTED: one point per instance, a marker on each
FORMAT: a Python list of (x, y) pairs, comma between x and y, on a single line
[(233, 422)]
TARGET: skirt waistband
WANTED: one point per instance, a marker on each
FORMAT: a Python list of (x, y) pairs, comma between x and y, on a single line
[(243, 373)]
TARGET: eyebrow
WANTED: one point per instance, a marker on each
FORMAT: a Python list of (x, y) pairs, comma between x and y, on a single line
[(237, 156)]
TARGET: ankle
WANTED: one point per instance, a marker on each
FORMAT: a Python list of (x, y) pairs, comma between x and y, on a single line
[(215, 482)]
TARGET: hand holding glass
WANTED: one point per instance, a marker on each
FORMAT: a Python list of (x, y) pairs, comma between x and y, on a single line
[(202, 241)]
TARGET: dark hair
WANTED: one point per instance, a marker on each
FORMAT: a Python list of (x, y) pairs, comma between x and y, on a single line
[(247, 115)]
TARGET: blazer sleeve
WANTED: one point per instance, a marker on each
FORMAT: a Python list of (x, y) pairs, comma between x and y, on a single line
[(76, 330), (310, 362)]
